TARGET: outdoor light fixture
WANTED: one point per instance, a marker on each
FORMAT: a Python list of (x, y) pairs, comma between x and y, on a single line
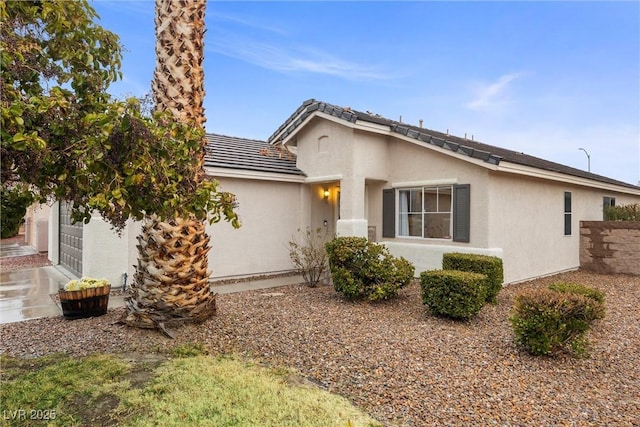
[(326, 194)]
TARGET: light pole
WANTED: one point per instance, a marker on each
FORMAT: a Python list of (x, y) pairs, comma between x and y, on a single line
[(588, 159)]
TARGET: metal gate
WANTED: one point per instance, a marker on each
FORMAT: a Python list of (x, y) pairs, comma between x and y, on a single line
[(70, 241)]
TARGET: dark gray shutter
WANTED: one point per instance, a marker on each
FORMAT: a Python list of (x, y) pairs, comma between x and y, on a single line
[(389, 212), (461, 212)]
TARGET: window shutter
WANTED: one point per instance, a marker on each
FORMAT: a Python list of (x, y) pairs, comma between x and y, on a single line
[(461, 212), (389, 212)]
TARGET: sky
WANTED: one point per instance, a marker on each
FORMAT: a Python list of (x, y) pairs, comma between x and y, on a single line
[(556, 80)]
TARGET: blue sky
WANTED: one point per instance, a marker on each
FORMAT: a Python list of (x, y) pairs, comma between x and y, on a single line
[(546, 78)]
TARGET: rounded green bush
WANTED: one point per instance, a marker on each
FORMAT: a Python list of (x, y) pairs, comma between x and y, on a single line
[(490, 266), (546, 321), (455, 294), (361, 269)]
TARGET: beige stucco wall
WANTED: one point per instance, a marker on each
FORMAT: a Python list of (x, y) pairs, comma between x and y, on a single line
[(366, 162), (53, 245), (36, 226), (271, 213), (513, 216), (516, 217), (325, 148), (526, 220), (327, 153), (105, 253), (417, 166), (371, 156)]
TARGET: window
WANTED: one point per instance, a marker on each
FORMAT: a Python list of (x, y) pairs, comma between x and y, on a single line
[(607, 202), (425, 212), (567, 213)]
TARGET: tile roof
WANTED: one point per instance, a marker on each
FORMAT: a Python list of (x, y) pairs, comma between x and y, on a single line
[(248, 154), (489, 153)]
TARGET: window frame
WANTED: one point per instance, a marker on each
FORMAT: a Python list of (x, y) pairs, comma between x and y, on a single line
[(424, 214), (568, 210), (607, 201)]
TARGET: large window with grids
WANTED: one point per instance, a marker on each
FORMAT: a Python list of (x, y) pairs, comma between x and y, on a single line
[(425, 212), (428, 212)]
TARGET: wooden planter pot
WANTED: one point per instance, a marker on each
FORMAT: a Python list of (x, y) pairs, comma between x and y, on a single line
[(90, 302)]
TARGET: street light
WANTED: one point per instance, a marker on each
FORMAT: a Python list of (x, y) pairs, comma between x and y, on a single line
[(588, 159)]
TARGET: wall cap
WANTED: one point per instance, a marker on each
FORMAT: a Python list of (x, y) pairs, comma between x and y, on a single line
[(630, 225)]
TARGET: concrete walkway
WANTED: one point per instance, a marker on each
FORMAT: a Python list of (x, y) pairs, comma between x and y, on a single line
[(27, 294), (14, 249)]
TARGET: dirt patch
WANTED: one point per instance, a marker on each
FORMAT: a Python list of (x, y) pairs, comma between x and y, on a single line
[(143, 367), (102, 410), (96, 411)]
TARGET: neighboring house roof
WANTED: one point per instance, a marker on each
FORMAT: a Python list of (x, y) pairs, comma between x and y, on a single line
[(488, 153), (230, 152)]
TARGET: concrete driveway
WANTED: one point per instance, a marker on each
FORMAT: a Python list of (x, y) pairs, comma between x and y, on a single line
[(26, 294)]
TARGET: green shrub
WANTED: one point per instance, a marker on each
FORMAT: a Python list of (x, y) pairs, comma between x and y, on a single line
[(629, 212), (490, 266), (15, 202), (578, 289), (547, 321), (453, 293), (361, 269)]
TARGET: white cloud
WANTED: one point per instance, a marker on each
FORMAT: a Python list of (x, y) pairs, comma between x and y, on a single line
[(246, 23), (491, 96), (280, 57)]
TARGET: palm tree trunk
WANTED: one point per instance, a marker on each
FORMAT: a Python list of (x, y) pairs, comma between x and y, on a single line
[(171, 280)]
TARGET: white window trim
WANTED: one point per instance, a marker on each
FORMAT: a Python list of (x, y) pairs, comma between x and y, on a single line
[(424, 183), (421, 185), (569, 213)]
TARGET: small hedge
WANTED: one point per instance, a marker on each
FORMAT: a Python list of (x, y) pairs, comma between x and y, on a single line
[(547, 321), (490, 266), (361, 269), (452, 293)]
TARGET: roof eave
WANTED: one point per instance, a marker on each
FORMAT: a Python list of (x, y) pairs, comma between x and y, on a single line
[(218, 172), (516, 168)]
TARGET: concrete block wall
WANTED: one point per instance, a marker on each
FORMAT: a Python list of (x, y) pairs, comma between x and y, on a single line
[(610, 247)]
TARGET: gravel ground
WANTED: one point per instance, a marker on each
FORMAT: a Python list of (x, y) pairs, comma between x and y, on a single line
[(396, 361), (20, 262)]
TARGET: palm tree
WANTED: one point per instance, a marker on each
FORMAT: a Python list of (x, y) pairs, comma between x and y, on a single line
[(171, 280)]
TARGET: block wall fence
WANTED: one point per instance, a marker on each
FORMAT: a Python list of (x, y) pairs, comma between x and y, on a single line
[(610, 247)]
